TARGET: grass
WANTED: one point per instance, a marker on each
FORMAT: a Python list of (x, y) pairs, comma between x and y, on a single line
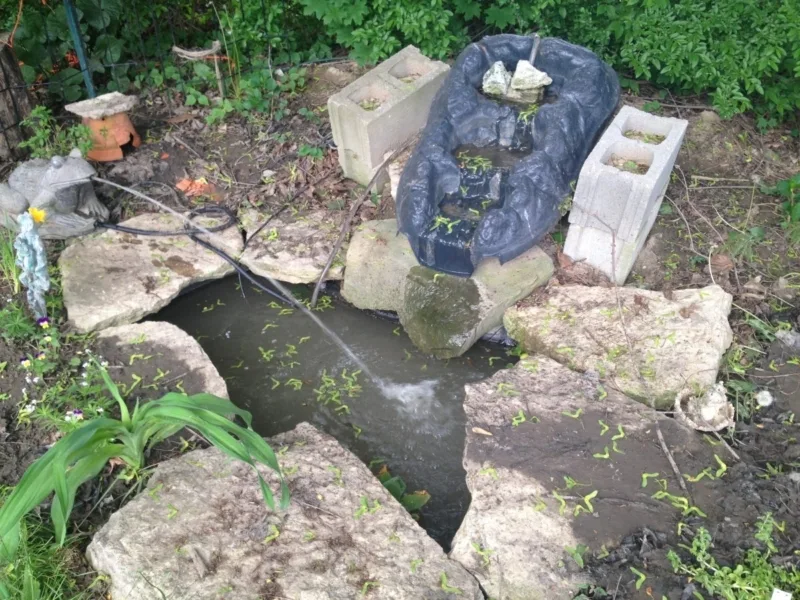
[(9, 271), (41, 570)]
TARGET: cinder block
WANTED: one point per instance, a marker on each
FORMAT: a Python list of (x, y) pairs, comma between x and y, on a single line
[(610, 198), (382, 109)]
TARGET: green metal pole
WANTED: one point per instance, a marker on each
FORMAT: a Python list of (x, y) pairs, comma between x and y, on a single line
[(80, 48)]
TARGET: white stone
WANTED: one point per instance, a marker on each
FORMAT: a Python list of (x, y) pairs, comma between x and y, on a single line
[(381, 110), (293, 248), (201, 531), (445, 315), (516, 533), (496, 80), (613, 210), (168, 339), (528, 83), (115, 278), (378, 261), (677, 342), (102, 106)]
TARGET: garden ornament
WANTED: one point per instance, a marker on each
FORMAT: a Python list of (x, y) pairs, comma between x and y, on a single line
[(61, 187), (107, 118), (32, 261), (707, 411)]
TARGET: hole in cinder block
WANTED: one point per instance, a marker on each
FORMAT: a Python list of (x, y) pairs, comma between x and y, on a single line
[(629, 158), (646, 129), (370, 97), (410, 69)]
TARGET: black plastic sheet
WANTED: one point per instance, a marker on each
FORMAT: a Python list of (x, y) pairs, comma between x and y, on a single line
[(456, 214)]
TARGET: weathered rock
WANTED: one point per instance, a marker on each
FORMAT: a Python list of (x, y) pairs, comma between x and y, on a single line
[(116, 278), (293, 248), (202, 527), (166, 339), (378, 261), (102, 106), (516, 533), (528, 83), (445, 315), (496, 80), (677, 342)]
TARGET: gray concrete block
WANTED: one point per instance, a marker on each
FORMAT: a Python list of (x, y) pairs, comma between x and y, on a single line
[(620, 189), (382, 109)]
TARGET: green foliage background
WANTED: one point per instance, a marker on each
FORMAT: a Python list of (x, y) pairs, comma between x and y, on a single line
[(744, 53)]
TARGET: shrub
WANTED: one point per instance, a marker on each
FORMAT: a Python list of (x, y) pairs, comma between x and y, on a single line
[(745, 53)]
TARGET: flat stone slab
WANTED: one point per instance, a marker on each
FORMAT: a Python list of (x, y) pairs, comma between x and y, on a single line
[(115, 278), (159, 338), (201, 531), (293, 248), (102, 106), (554, 461), (445, 315), (677, 342), (378, 261)]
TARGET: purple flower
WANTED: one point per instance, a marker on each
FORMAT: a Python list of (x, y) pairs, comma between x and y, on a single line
[(44, 322), (25, 362)]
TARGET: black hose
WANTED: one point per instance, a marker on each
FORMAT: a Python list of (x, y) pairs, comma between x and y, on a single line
[(193, 232)]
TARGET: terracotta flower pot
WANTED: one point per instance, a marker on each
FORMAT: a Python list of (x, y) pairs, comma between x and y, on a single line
[(109, 134)]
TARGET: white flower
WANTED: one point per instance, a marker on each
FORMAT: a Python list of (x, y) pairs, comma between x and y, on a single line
[(36, 380), (104, 363), (100, 411), (764, 398), (85, 365), (84, 384)]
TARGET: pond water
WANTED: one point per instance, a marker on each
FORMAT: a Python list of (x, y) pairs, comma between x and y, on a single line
[(273, 359)]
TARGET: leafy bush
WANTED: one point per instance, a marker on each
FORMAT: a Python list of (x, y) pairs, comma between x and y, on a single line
[(745, 53), (81, 454)]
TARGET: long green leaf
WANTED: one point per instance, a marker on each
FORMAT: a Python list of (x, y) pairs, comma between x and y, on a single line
[(112, 387), (85, 469)]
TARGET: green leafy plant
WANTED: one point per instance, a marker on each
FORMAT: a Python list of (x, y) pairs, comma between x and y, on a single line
[(82, 453), (754, 578), (48, 138), (395, 485), (789, 192)]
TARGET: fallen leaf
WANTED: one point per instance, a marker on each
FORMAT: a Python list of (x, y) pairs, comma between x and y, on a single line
[(721, 263), (640, 300), (196, 187), (180, 118), (480, 431), (687, 311), (164, 155)]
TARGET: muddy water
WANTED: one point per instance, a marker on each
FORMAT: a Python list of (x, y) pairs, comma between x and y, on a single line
[(264, 355)]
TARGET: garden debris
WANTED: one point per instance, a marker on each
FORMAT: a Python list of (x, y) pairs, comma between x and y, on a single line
[(764, 398), (710, 411), (197, 187)]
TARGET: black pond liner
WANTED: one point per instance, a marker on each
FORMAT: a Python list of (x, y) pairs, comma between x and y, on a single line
[(501, 211)]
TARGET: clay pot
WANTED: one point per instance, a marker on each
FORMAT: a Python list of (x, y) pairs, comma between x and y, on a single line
[(109, 134)]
